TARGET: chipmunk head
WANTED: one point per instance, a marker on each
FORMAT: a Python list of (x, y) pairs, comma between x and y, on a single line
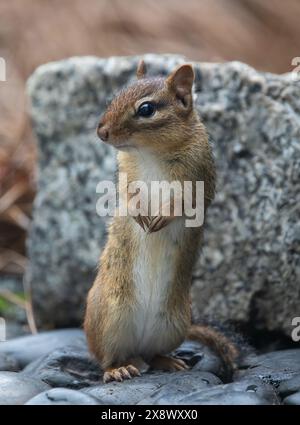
[(151, 113)]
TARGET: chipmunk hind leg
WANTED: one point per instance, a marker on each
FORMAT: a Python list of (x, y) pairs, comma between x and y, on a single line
[(167, 363)]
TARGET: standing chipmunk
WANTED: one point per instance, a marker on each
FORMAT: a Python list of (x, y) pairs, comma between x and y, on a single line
[(138, 309)]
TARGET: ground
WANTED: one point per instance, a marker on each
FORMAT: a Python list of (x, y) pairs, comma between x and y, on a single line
[(55, 367)]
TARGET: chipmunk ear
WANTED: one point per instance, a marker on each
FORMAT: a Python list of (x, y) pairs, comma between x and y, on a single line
[(141, 70), (181, 82)]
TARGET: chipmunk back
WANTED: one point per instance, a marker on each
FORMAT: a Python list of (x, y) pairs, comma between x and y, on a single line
[(138, 309)]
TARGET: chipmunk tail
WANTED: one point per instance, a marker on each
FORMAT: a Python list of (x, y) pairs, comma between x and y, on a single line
[(225, 342)]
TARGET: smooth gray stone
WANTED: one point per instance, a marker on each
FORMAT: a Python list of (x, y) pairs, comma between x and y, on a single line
[(293, 399), (142, 388), (16, 388), (273, 367), (289, 386), (8, 363), (26, 349), (252, 391), (15, 327), (62, 396), (69, 367)]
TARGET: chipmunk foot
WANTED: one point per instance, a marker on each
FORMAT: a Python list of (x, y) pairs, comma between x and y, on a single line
[(170, 364), (120, 373)]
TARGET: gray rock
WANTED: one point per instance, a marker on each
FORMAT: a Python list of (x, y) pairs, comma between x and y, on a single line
[(62, 396), (251, 252), (293, 399), (145, 387), (179, 385), (8, 363), (252, 392), (275, 367), (69, 367), (17, 389), (73, 366), (26, 349), (126, 392), (251, 255), (289, 386)]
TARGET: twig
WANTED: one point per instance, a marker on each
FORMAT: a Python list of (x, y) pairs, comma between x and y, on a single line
[(8, 256), (10, 197), (15, 214)]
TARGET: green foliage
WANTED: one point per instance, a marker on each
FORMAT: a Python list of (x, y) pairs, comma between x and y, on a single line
[(5, 306)]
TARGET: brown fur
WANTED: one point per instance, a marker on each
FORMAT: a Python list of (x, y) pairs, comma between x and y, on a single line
[(177, 140)]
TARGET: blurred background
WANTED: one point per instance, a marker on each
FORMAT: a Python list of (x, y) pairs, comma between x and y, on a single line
[(262, 33)]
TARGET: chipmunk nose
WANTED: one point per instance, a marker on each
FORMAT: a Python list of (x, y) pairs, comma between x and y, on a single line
[(103, 132)]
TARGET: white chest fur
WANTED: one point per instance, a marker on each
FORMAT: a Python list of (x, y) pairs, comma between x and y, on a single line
[(153, 273)]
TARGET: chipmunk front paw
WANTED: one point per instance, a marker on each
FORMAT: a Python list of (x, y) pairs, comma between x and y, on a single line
[(159, 222), (143, 221), (120, 373)]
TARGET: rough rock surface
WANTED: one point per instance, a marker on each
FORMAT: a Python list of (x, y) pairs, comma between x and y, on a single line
[(251, 256), (75, 378)]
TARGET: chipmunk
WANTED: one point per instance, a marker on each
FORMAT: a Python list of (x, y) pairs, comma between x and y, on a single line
[(138, 310)]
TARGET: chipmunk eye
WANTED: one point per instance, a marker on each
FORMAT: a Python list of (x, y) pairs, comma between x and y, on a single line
[(146, 110)]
